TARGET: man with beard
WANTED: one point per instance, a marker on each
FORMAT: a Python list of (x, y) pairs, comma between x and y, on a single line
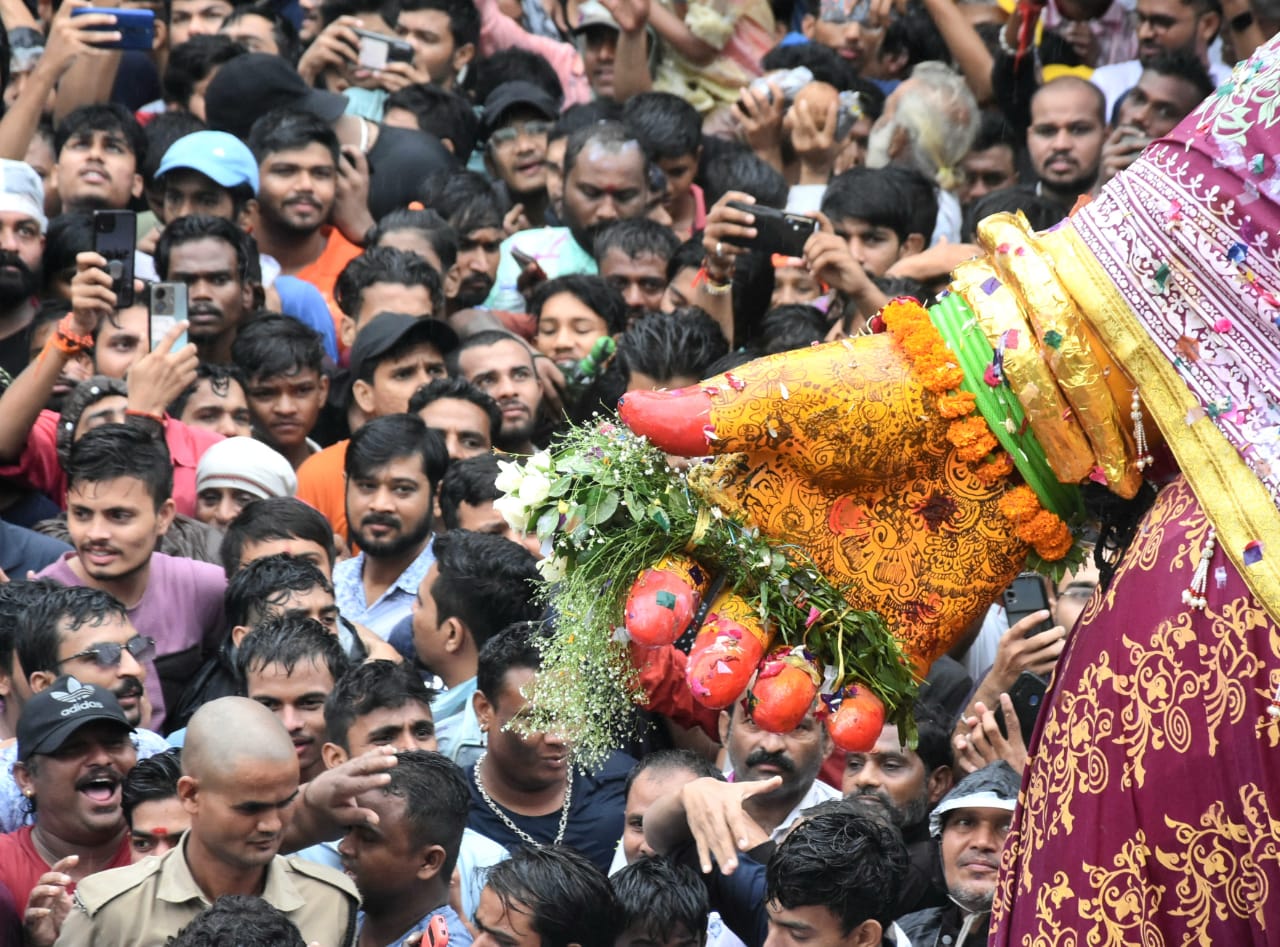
[(22, 227), (501, 366), (1064, 141), (970, 825), (393, 466), (210, 255), (240, 794), (478, 224), (119, 504), (385, 279), (903, 785), (73, 754), (393, 356), (298, 159), (605, 179), (100, 149), (87, 633)]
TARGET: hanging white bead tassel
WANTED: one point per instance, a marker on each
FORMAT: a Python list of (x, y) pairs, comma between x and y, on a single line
[(1144, 458), (1193, 596)]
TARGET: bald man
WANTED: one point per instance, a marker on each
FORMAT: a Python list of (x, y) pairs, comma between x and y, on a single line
[(239, 782)]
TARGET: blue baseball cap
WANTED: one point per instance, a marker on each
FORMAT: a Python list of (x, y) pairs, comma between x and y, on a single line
[(221, 157)]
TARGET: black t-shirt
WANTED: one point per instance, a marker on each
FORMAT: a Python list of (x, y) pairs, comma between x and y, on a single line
[(398, 162), (595, 813)]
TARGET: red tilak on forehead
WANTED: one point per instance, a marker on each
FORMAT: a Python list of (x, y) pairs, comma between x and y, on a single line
[(159, 831)]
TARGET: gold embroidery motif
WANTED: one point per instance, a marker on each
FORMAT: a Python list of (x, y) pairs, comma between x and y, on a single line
[(1125, 901)]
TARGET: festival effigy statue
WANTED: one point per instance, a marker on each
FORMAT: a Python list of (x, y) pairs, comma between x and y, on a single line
[(866, 499)]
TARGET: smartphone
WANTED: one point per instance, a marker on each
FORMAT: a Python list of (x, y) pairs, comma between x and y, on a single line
[(437, 933), (1027, 594), (776, 230), (168, 307), (114, 237), (137, 28), (1026, 694), (522, 258), (378, 49)]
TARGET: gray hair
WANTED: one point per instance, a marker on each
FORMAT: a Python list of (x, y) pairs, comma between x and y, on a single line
[(940, 115)]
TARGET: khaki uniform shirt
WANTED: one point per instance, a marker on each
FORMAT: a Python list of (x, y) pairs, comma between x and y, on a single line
[(147, 903)]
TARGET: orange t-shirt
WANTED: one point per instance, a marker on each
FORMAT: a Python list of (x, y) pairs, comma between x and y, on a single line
[(323, 272), (321, 484)]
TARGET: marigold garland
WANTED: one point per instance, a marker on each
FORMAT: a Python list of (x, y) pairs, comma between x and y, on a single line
[(938, 370)]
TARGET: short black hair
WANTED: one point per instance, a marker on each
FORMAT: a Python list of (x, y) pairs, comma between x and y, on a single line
[(582, 114), (664, 345), (201, 227), (282, 29), (16, 599), (364, 688), (440, 112), (594, 292), (220, 379), (1041, 212), (934, 736), (666, 125), (384, 265), (241, 920), (436, 799), (1185, 65), (471, 481), (485, 581), (150, 780), (611, 136), (507, 65), (268, 581), (161, 132), (566, 898), (273, 518), (636, 236), (53, 610), (824, 62), (688, 256), (193, 61), (515, 646), (871, 194), (70, 233), (274, 345), (122, 450), (437, 231), (484, 339), (290, 129), (660, 897), (994, 129), (464, 18), (849, 862), (922, 199), (729, 166), (109, 117), (458, 389), (789, 327), (672, 761), (392, 436), (287, 641)]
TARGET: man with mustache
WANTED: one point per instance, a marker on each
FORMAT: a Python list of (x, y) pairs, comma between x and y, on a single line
[(605, 179), (393, 466), (1065, 139), (22, 227), (211, 256), (240, 794), (971, 823), (73, 754), (79, 631)]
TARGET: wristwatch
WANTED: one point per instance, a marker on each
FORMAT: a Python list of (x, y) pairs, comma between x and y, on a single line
[(1241, 22)]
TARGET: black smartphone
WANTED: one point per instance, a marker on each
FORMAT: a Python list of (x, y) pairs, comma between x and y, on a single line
[(1026, 694), (776, 230), (137, 28), (1026, 594), (377, 50), (168, 307), (115, 235)]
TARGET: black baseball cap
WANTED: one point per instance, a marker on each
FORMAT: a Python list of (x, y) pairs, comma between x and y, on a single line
[(518, 92), (387, 330), (50, 717), (250, 86)]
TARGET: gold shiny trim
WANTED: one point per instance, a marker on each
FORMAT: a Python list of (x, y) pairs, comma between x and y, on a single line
[(1239, 506), (1052, 312), (999, 311)]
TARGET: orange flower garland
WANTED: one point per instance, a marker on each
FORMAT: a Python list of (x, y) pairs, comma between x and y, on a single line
[(939, 372)]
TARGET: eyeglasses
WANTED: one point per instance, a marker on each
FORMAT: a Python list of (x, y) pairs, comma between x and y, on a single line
[(509, 133), (108, 654)]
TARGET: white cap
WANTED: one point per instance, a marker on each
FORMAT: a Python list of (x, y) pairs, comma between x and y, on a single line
[(241, 463), (21, 191)]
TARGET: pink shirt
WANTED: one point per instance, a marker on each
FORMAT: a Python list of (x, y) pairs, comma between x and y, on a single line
[(499, 31), (182, 610), (38, 467)]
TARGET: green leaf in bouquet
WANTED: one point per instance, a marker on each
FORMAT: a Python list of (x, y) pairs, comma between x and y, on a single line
[(601, 505), (634, 507), (660, 517), (547, 523)]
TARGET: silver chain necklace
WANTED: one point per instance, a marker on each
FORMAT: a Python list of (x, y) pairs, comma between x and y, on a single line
[(525, 836)]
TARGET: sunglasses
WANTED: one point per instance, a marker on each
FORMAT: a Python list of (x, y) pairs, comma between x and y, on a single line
[(108, 654)]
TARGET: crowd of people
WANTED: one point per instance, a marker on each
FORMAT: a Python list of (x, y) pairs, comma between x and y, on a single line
[(264, 629)]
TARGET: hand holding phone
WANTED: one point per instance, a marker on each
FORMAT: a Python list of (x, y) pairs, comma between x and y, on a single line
[(1026, 595), (115, 239), (377, 50), (137, 28), (776, 230), (168, 308), (1026, 695)]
